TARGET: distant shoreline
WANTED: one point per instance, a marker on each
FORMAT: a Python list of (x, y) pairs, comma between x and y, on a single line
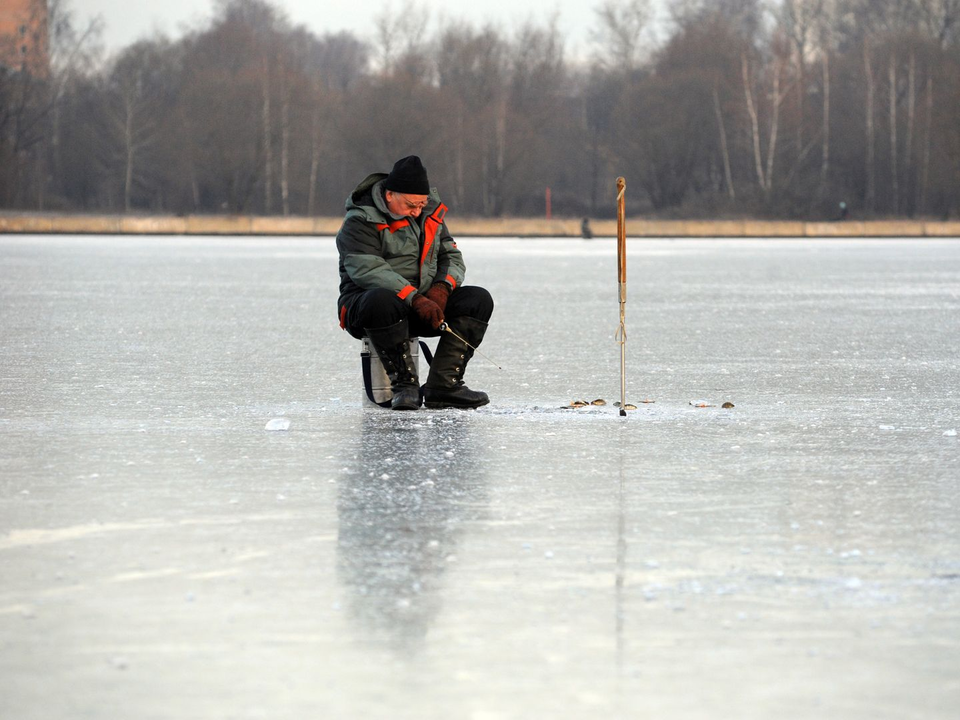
[(244, 225)]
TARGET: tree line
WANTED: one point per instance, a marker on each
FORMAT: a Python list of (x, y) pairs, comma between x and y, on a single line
[(741, 108)]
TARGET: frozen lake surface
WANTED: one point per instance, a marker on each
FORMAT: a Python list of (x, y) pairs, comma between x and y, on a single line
[(164, 555)]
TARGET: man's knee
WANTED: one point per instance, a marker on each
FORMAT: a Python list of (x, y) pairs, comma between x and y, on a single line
[(473, 301), (375, 309)]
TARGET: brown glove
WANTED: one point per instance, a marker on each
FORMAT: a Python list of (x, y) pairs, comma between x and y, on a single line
[(428, 310), (439, 292)]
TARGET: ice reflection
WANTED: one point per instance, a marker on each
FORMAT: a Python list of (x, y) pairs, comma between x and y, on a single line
[(406, 490), (621, 565)]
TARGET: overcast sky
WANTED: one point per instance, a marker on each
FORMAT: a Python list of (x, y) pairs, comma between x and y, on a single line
[(125, 21)]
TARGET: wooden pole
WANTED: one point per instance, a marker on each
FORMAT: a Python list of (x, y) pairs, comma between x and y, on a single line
[(622, 287)]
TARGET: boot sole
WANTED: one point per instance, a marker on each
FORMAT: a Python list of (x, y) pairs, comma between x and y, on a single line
[(439, 405)]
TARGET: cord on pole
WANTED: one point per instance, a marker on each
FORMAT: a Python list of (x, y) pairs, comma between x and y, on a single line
[(622, 288)]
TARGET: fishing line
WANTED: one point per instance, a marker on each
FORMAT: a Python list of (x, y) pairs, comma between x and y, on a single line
[(446, 328)]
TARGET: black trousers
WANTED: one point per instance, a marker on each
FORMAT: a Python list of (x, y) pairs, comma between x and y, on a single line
[(381, 308)]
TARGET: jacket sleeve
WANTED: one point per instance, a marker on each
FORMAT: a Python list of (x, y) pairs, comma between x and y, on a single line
[(450, 266), (361, 252)]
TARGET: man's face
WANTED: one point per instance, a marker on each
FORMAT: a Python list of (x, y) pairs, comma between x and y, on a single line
[(405, 205)]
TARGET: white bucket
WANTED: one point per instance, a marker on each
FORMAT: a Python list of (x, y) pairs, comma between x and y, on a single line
[(379, 382)]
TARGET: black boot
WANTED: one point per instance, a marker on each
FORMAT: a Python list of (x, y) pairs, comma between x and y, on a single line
[(393, 348), (444, 387)]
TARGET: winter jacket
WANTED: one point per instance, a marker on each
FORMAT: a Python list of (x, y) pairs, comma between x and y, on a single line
[(406, 256)]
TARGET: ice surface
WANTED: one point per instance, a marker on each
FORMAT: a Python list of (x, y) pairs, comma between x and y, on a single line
[(797, 555)]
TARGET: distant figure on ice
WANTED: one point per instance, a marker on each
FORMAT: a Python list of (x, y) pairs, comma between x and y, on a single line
[(401, 275), (585, 232), (843, 211)]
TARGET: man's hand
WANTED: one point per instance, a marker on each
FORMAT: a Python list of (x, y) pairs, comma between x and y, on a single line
[(439, 292), (428, 310)]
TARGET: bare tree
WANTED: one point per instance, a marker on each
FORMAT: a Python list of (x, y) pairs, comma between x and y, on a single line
[(285, 82), (940, 19), (471, 68), (825, 124), (799, 20), (334, 65), (409, 53), (894, 151), (911, 108), (136, 100), (618, 36), (316, 144), (724, 150), (764, 174), (529, 114), (246, 113), (870, 200), (73, 55), (925, 163), (267, 136)]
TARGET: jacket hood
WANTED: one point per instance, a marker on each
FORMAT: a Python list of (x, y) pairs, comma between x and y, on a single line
[(362, 194)]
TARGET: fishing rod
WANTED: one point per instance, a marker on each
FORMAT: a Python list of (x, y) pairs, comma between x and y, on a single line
[(621, 335), (446, 328)]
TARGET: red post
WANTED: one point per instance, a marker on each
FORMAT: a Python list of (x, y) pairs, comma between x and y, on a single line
[(548, 204)]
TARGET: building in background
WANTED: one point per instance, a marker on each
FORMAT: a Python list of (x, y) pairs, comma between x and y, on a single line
[(24, 36)]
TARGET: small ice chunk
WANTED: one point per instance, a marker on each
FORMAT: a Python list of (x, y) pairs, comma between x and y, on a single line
[(853, 583), (385, 476), (278, 424), (548, 554), (952, 432)]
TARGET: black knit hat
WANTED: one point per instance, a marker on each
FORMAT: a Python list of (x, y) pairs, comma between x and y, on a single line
[(408, 176)]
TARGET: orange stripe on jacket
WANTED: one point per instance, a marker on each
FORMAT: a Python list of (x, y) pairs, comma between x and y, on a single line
[(405, 293), (430, 228), (453, 283), (394, 226)]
